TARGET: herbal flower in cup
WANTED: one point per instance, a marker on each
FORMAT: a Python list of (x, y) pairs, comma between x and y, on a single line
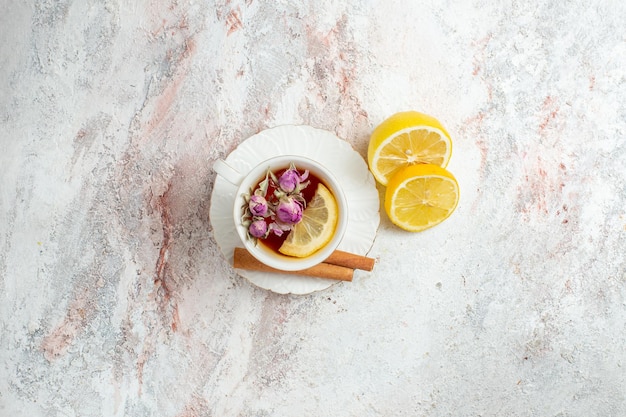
[(276, 205), (290, 212)]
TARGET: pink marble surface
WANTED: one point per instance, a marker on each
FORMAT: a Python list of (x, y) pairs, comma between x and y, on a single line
[(116, 300)]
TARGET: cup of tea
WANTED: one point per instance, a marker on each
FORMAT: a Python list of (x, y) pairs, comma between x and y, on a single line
[(266, 209)]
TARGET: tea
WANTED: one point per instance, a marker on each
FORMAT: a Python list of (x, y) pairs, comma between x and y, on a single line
[(273, 213), (274, 241), (313, 237)]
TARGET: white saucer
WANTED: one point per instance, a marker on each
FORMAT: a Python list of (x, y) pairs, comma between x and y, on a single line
[(323, 146)]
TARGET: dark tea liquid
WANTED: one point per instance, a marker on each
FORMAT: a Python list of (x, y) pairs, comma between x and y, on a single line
[(273, 241)]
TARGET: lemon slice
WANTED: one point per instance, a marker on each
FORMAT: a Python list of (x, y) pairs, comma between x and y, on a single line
[(317, 227), (404, 139), (421, 196)]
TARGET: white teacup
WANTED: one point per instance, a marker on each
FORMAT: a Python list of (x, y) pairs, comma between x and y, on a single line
[(245, 181)]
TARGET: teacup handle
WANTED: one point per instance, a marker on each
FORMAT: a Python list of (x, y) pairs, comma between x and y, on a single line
[(227, 172)]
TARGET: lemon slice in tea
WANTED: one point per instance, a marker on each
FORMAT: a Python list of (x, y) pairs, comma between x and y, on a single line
[(316, 228)]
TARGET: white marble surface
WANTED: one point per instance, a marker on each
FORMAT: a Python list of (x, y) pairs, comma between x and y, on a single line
[(117, 302)]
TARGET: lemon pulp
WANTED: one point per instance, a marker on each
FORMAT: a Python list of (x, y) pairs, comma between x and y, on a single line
[(405, 139), (316, 229), (421, 196)]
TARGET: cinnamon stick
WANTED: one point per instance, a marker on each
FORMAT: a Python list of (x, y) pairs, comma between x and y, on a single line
[(243, 260), (351, 260)]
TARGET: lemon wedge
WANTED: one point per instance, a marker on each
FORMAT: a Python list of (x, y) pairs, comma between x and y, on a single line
[(316, 229)]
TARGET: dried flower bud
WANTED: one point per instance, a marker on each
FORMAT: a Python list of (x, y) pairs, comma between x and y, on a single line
[(276, 229), (290, 179), (258, 228), (258, 206), (289, 211)]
